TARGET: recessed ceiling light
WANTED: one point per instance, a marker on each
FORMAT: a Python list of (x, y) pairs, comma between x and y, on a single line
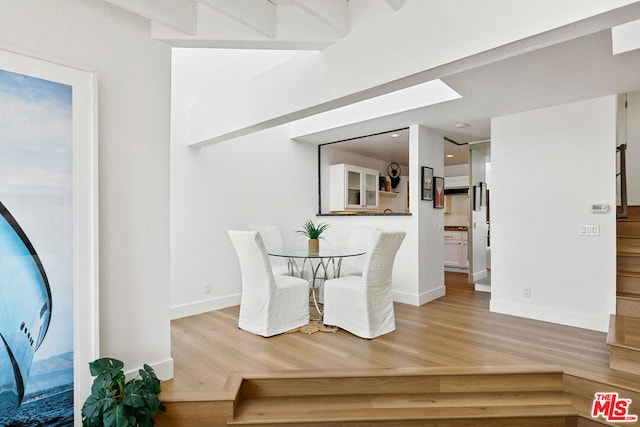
[(394, 135), (462, 125), (448, 156)]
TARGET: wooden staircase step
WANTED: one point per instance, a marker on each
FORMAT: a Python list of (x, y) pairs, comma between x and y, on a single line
[(628, 262), (628, 227), (628, 282), (623, 340), (411, 380), (633, 213), (629, 244), (388, 409), (461, 396), (628, 304), (582, 393)]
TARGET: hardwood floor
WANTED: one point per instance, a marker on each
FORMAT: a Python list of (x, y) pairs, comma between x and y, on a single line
[(455, 330)]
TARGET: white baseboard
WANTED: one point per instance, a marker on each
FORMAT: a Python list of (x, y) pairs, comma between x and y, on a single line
[(579, 320), (421, 299), (479, 275), (163, 370), (433, 294), (200, 307), (481, 287)]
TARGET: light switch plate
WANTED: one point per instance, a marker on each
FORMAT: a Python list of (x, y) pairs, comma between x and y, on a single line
[(589, 230)]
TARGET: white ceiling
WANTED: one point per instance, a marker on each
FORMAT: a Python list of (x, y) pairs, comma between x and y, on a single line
[(577, 69)]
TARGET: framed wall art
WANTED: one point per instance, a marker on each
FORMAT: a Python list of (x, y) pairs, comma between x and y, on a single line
[(48, 240), (438, 188), (427, 184)]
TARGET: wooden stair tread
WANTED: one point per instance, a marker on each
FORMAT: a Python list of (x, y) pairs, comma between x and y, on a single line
[(624, 332), (628, 295), (628, 254), (404, 406), (633, 274)]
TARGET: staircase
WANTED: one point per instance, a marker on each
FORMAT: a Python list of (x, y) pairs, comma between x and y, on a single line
[(436, 397), (624, 326)]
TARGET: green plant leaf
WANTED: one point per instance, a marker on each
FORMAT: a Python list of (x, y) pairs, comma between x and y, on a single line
[(149, 378), (115, 402), (93, 408), (134, 393), (310, 230), (118, 416), (107, 371)]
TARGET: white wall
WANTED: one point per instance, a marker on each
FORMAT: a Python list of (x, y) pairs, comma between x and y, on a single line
[(548, 166), (266, 178), (133, 123)]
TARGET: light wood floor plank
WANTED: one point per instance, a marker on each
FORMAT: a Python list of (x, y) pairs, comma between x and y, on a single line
[(455, 330)]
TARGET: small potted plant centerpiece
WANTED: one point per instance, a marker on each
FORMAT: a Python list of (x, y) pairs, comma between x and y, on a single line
[(313, 233)]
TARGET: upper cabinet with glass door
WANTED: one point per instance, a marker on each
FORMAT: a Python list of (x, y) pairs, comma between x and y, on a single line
[(353, 188)]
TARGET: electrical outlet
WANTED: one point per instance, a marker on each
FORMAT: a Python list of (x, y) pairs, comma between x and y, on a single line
[(207, 288), (526, 293)]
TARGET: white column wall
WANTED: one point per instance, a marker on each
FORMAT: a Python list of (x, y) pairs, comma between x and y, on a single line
[(548, 167), (133, 123), (426, 148)]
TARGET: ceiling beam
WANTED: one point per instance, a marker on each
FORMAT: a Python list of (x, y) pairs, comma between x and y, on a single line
[(259, 15), (333, 13), (181, 15)]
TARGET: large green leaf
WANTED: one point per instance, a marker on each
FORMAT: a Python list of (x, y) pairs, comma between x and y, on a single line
[(134, 393), (149, 378), (92, 407), (106, 370), (118, 416)]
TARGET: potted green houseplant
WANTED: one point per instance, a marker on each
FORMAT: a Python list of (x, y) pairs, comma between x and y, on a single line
[(117, 402), (313, 233)]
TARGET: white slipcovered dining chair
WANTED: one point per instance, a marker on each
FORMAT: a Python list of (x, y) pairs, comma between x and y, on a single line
[(270, 304), (272, 238), (358, 238), (363, 305)]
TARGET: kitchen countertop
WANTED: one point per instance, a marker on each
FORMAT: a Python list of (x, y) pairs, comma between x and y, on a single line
[(456, 228)]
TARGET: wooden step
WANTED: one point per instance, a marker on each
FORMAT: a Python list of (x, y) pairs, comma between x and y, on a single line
[(478, 409), (633, 213), (628, 282), (629, 244), (582, 393), (623, 340), (627, 227), (628, 262), (471, 396), (628, 304)]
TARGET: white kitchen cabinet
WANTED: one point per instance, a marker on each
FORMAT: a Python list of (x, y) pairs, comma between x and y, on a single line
[(456, 249), (353, 188)]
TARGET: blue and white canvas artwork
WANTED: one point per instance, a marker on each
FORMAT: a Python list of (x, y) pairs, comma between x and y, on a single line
[(36, 252)]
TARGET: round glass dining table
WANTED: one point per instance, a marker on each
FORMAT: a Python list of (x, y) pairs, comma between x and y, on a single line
[(322, 265)]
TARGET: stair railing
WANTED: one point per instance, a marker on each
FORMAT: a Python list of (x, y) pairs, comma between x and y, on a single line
[(622, 153)]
